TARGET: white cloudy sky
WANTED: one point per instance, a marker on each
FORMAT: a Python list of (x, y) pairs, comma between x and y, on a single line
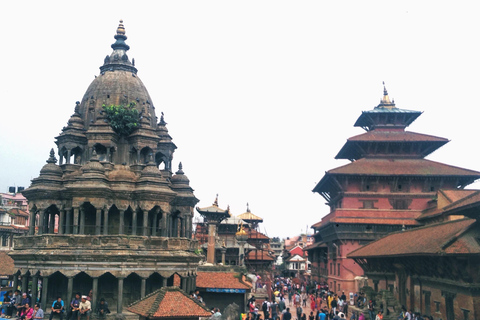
[(259, 96)]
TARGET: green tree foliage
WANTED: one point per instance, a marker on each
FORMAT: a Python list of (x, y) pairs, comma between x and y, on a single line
[(123, 119)]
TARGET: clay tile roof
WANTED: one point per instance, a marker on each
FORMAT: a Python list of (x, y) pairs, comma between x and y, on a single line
[(6, 264), (443, 238), (402, 167), (379, 135), (225, 280), (254, 234), (169, 302), (316, 245), (18, 212), (259, 255)]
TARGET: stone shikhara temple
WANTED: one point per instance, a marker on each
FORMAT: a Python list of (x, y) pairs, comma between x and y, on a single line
[(110, 216)]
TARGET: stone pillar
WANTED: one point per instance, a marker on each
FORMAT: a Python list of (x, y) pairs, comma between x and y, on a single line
[(142, 288), (44, 292), (51, 225), (105, 222), (154, 224), (95, 293), (134, 222), (35, 290), (61, 221), (31, 223), (164, 282), (69, 291), (15, 282), (75, 220), (375, 285), (183, 284), (212, 233), (68, 156), (24, 283), (41, 221), (145, 222), (163, 222), (194, 285), (121, 222), (223, 251), (68, 221), (98, 223), (82, 221), (120, 296)]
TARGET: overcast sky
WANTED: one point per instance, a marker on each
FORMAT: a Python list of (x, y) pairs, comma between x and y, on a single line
[(259, 96)]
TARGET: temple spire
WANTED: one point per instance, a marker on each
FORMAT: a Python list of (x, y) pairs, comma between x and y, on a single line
[(215, 203), (120, 37), (385, 101), (52, 158), (248, 208)]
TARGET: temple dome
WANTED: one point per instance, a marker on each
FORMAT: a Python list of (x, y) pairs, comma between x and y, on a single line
[(117, 84)]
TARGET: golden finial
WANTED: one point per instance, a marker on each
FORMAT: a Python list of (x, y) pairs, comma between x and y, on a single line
[(385, 101), (121, 28), (216, 201)]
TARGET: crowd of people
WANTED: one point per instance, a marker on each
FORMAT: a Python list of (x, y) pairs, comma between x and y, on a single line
[(19, 306)]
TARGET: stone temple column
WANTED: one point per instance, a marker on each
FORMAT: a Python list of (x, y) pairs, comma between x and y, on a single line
[(69, 290), (34, 289), (120, 296), (41, 221), (154, 225), (134, 222), (95, 293), (68, 218), (212, 233), (105, 222), (75, 220), (24, 283), (44, 291), (142, 288), (82, 221), (51, 223), (61, 221), (31, 227), (98, 223), (145, 222), (121, 222), (15, 282)]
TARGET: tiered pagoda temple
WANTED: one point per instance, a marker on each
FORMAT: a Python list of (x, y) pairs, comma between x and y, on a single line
[(111, 217), (384, 189)]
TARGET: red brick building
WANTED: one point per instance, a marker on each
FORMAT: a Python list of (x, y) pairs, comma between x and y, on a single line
[(384, 189)]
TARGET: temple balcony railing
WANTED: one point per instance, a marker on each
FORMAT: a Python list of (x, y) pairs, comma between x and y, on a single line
[(103, 242)]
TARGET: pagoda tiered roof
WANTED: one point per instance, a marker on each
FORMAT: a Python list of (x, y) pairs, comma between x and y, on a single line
[(394, 142)]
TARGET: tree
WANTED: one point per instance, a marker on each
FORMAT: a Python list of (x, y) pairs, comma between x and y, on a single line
[(123, 119)]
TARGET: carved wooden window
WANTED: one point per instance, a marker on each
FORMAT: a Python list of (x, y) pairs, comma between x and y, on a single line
[(400, 204), (368, 204)]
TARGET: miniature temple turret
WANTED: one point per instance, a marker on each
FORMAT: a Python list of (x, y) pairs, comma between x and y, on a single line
[(212, 215)]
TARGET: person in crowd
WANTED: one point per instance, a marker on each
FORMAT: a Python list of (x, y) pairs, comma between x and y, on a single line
[(24, 301), (37, 312), (287, 315), (26, 313), (102, 309), (74, 307), (7, 305), (379, 316), (85, 307), (58, 308)]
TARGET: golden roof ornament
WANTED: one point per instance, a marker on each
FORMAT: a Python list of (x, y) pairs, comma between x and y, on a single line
[(385, 101), (121, 28)]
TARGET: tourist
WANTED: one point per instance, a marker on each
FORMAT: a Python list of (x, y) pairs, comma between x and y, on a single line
[(26, 312), (102, 309), (57, 308), (90, 296), (6, 306), (361, 316), (304, 299), (322, 315), (311, 316), (84, 308), (371, 310), (216, 314), (74, 307), (379, 316), (24, 301), (281, 305), (299, 312), (334, 304), (287, 315), (37, 312), (274, 310), (16, 301)]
